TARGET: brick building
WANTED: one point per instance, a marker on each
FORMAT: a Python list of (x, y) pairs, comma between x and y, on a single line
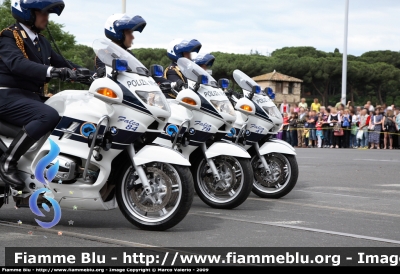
[(284, 86)]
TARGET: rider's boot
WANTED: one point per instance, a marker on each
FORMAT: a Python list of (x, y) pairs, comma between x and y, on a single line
[(9, 160)]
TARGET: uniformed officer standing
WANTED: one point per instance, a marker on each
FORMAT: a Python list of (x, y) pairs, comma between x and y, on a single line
[(119, 28), (27, 62), (179, 48)]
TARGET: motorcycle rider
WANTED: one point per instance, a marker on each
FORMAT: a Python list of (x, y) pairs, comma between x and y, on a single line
[(205, 61), (119, 28), (27, 63), (178, 48)]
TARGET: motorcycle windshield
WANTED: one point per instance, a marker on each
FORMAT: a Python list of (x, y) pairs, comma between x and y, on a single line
[(107, 51), (244, 81), (192, 71)]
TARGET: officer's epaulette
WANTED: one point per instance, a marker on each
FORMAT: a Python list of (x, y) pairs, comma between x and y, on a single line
[(18, 39), (1, 32), (41, 34)]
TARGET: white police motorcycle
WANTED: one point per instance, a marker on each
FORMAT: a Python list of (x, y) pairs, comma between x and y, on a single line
[(258, 120), (201, 116), (106, 158)]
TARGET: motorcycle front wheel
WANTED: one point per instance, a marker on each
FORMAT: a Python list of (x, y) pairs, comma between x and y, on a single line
[(167, 205), (281, 180), (233, 188)]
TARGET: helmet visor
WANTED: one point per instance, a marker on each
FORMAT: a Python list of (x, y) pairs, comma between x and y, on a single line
[(136, 23), (45, 6)]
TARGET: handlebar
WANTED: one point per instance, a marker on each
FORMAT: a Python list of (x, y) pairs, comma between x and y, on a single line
[(81, 75)]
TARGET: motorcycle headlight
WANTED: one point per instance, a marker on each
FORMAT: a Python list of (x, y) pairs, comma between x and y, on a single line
[(153, 98), (272, 111), (224, 106)]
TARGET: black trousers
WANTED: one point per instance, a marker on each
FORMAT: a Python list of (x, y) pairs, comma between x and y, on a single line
[(24, 108), (346, 137)]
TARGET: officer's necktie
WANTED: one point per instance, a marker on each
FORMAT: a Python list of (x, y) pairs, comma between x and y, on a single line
[(36, 43)]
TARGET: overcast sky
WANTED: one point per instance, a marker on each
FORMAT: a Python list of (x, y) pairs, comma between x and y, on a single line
[(239, 26)]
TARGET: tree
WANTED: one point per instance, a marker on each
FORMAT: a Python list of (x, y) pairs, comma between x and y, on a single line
[(385, 56), (300, 52), (382, 80), (6, 18)]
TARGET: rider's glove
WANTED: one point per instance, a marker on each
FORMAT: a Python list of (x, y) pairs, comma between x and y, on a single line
[(63, 74), (166, 87), (101, 72), (178, 85)]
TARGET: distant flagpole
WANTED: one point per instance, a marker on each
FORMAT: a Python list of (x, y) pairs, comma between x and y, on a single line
[(344, 73), (123, 6)]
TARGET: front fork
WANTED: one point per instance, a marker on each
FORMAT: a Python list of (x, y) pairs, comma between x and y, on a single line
[(257, 149), (210, 163), (263, 161), (140, 171)]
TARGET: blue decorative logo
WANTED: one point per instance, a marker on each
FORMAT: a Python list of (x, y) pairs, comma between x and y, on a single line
[(50, 174), (171, 129), (259, 129), (113, 130), (232, 133), (87, 128), (206, 127), (192, 131), (248, 132)]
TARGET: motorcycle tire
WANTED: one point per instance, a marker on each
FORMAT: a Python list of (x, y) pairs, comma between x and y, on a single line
[(290, 179), (180, 202), (241, 191)]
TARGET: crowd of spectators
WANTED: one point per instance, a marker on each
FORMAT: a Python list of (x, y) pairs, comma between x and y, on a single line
[(340, 126)]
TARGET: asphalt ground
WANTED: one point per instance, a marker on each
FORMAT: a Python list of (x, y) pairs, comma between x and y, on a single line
[(343, 198)]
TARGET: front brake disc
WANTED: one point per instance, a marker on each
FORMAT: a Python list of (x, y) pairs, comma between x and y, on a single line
[(277, 175), (161, 184), (217, 187)]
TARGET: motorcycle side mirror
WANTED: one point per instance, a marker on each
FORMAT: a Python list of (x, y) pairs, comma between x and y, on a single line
[(223, 83), (156, 71)]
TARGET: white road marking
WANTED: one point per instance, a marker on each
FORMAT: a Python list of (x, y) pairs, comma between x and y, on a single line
[(375, 160), (288, 222), (334, 194), (327, 207), (396, 185), (362, 237), (216, 213)]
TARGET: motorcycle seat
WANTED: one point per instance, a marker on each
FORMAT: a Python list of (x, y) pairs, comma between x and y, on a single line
[(9, 130)]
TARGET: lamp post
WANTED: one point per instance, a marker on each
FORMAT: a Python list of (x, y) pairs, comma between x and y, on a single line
[(344, 73), (123, 6)]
